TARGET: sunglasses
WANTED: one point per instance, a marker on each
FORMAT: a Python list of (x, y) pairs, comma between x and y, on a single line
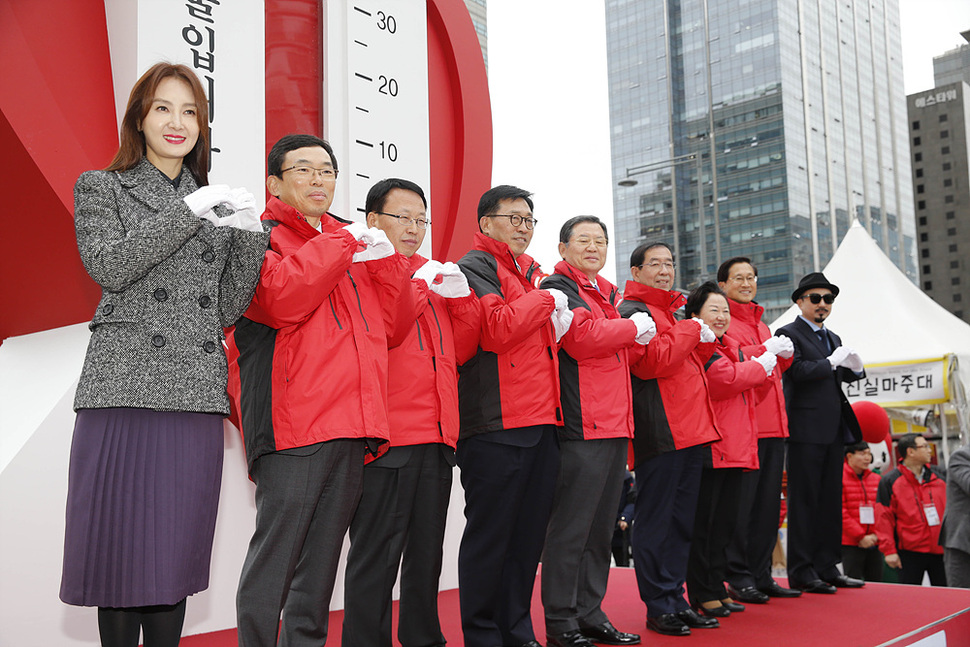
[(818, 298)]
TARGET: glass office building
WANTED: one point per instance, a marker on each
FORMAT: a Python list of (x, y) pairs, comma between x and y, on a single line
[(758, 128)]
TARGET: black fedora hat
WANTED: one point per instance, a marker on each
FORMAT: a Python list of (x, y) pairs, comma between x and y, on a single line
[(813, 280)]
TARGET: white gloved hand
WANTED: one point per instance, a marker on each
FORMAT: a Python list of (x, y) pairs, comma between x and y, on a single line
[(853, 361), (378, 246), (247, 219), (356, 229), (767, 361), (241, 198), (561, 321), (562, 303), (453, 284), (646, 328), (429, 272), (781, 346), (707, 335), (838, 357), (204, 198)]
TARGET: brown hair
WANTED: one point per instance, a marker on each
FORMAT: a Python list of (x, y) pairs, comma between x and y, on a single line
[(132, 147)]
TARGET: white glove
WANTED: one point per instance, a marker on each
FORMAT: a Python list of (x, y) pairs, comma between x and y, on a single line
[(453, 284), (767, 361), (429, 272), (356, 229), (203, 199), (562, 303), (247, 219), (240, 199), (838, 356), (646, 328), (852, 361), (781, 346), (561, 321), (707, 335), (378, 246)]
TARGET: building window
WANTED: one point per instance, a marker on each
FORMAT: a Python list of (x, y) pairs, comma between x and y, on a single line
[(944, 134), (954, 265), (926, 269), (921, 204), (916, 125), (927, 285), (919, 172), (955, 280), (916, 141), (925, 253), (948, 199), (948, 181), (919, 188), (942, 118), (922, 221), (950, 215), (946, 166), (957, 297), (952, 231), (924, 237), (917, 157), (953, 248), (945, 150)]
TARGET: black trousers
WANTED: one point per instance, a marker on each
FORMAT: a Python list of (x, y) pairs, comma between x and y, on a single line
[(714, 524), (756, 533), (862, 563), (508, 497), (814, 511), (915, 564)]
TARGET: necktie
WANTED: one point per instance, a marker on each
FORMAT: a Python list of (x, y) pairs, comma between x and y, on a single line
[(824, 338)]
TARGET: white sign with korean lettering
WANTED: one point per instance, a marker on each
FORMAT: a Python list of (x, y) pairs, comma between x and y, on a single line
[(911, 383)]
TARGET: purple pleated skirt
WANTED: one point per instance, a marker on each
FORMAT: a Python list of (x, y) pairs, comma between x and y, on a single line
[(143, 490)]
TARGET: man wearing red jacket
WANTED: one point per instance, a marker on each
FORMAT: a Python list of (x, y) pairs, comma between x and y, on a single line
[(673, 421), (909, 508), (860, 544), (312, 375), (594, 377), (404, 505), (749, 553), (508, 399)]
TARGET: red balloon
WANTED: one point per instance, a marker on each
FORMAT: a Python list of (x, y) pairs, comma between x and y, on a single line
[(873, 420)]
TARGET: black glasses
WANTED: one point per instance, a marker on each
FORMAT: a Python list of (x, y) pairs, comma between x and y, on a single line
[(306, 172), (407, 220), (819, 298), (516, 219)]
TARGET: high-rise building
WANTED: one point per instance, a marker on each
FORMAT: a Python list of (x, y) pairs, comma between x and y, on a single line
[(939, 136), (758, 128), (477, 9)]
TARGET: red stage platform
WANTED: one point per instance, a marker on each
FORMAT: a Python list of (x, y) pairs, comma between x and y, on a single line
[(879, 614)]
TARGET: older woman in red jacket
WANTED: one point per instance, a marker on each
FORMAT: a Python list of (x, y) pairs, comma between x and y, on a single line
[(732, 381)]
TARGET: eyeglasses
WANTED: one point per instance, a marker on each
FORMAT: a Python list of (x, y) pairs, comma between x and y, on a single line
[(306, 172), (601, 243), (656, 265), (407, 220), (740, 280), (516, 219), (818, 298)]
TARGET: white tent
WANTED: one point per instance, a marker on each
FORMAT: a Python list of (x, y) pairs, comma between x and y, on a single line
[(901, 333)]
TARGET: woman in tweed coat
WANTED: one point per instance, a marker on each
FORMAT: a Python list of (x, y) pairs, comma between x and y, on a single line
[(176, 267)]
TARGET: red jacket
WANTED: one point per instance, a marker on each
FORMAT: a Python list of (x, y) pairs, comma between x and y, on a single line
[(732, 384), (750, 331), (671, 402), (313, 343), (857, 491), (422, 384), (594, 371), (513, 380), (901, 520)]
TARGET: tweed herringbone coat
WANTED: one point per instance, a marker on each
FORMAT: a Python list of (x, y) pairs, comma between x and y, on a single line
[(170, 283)]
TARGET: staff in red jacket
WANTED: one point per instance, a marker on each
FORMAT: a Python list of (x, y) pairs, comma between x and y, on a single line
[(909, 508), (508, 398), (594, 377), (407, 489), (732, 383), (313, 390), (673, 421), (860, 544), (749, 553)]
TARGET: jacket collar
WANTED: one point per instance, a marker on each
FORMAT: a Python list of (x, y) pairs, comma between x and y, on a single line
[(603, 288), (416, 262), (289, 216), (523, 266), (146, 183), (669, 300), (747, 312)]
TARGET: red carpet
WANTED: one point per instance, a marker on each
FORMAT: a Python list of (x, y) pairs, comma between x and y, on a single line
[(871, 616)]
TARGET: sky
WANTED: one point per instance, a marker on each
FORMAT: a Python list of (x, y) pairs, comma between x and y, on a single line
[(550, 104)]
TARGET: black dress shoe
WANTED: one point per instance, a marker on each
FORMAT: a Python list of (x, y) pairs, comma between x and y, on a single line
[(668, 624), (776, 590), (532, 643), (691, 619), (845, 582), (716, 612), (572, 638), (733, 607), (607, 634), (747, 594), (816, 586)]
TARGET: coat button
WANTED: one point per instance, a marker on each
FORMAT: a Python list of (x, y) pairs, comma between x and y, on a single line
[(107, 309), (209, 347), (160, 294), (158, 341), (208, 256), (205, 301)]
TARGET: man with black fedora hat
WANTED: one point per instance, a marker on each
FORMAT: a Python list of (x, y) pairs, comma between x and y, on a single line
[(820, 423)]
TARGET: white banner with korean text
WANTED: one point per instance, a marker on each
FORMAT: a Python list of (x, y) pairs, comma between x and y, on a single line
[(902, 384)]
